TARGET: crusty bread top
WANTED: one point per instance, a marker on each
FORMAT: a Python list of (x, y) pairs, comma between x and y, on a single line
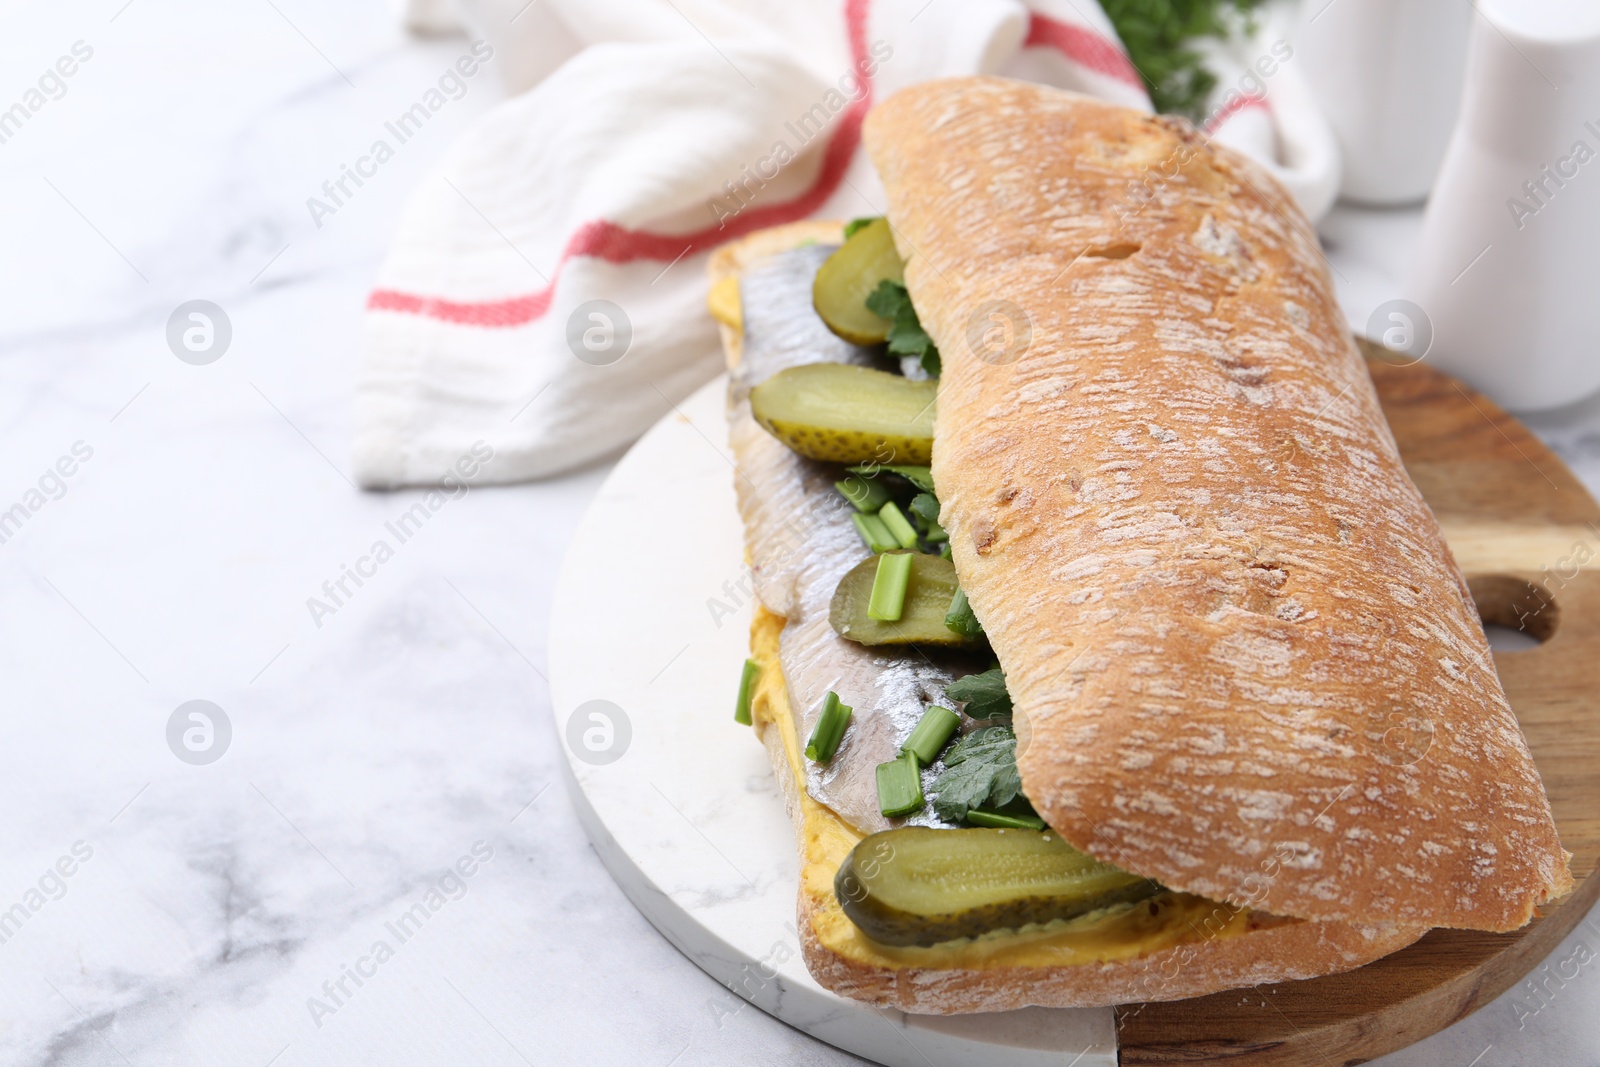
[(1243, 660)]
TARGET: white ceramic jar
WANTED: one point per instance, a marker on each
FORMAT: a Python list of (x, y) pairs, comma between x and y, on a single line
[(1387, 73), (1507, 270)]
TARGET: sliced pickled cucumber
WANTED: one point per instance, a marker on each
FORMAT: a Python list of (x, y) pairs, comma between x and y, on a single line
[(919, 886), (841, 413), (933, 583), (850, 275)]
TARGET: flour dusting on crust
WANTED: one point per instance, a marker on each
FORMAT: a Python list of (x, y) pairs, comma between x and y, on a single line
[(1242, 657)]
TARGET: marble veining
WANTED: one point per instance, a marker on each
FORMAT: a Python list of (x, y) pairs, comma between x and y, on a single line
[(370, 754)]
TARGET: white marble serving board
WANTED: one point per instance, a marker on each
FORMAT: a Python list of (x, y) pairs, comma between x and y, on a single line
[(652, 616)]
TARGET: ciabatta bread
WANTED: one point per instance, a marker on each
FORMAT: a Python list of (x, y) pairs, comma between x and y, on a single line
[(1221, 947), (1243, 661)]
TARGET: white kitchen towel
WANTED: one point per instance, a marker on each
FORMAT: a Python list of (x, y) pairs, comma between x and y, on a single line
[(545, 293)]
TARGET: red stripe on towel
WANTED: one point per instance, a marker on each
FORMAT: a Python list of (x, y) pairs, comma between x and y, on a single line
[(1084, 47), (614, 243), (1233, 107)]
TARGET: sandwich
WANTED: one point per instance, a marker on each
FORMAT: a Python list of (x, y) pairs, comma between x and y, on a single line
[(1103, 647)]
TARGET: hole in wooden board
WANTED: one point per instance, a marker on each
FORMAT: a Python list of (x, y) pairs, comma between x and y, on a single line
[(1517, 614), (1505, 639)]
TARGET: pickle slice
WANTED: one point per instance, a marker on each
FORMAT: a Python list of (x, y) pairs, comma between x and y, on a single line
[(933, 583), (842, 413), (849, 276), (919, 886)]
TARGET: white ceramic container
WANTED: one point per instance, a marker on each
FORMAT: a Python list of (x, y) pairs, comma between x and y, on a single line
[(1387, 74), (1508, 265)]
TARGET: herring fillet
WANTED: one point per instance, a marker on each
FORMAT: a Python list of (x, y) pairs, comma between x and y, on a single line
[(802, 542)]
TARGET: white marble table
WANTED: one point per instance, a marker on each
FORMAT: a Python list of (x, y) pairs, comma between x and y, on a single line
[(227, 913)]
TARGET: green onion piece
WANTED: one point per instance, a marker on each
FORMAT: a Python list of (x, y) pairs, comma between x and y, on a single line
[(944, 550), (829, 731), (985, 817), (935, 534), (864, 493), (747, 683), (873, 532), (888, 597), (960, 617), (932, 732), (900, 786), (899, 526)]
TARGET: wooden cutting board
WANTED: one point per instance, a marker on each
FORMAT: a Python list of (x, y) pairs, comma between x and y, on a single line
[(1522, 527)]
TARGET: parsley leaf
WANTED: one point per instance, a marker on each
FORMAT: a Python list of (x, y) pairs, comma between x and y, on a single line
[(984, 693), (906, 335), (921, 477), (887, 299), (926, 505), (1158, 35), (980, 771)]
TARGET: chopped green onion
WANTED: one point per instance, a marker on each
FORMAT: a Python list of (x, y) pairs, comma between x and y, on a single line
[(935, 534), (747, 684), (986, 817), (921, 477), (944, 550), (864, 493), (829, 731), (900, 786), (874, 532), (932, 732), (960, 617), (899, 526), (888, 597)]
